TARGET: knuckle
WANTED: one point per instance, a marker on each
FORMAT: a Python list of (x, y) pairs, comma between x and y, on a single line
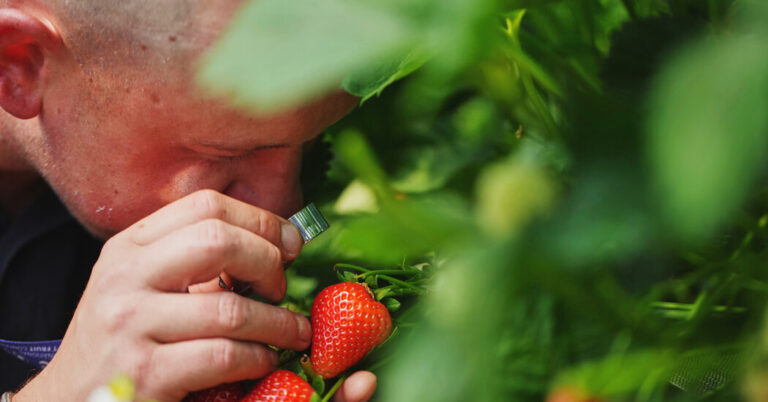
[(208, 204), (140, 365), (213, 236), (269, 227), (285, 323), (274, 257), (114, 250), (231, 312), (110, 246), (223, 355), (116, 317), (105, 275)]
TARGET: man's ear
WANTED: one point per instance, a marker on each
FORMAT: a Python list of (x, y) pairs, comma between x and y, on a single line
[(24, 43)]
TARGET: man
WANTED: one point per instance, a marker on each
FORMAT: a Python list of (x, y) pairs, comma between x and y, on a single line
[(100, 106)]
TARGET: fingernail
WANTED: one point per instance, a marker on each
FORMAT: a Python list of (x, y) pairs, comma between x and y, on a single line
[(274, 358), (291, 240), (305, 331)]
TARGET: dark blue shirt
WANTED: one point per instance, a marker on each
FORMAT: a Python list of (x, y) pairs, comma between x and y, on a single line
[(45, 261)]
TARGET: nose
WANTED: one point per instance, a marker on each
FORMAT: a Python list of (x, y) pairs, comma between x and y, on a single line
[(280, 194), (284, 200)]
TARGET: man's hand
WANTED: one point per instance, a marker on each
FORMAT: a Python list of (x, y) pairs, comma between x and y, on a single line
[(137, 318)]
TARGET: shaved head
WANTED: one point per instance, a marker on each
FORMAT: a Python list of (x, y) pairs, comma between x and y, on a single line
[(109, 31)]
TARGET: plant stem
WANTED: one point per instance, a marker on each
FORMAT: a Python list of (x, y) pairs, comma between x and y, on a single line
[(396, 281), (394, 291), (388, 271), (539, 105), (333, 389), (350, 266), (687, 307)]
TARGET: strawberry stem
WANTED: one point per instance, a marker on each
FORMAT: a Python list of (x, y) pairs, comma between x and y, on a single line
[(350, 266), (333, 389), (409, 271), (306, 365)]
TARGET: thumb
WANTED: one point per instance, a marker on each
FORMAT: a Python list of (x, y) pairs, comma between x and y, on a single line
[(359, 387)]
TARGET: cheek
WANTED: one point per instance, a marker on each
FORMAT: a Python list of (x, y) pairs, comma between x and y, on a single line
[(269, 180), (111, 202)]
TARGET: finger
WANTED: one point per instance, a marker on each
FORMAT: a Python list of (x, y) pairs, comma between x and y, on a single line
[(220, 284), (209, 204), (204, 363), (359, 387), (181, 317), (200, 252), (224, 283)]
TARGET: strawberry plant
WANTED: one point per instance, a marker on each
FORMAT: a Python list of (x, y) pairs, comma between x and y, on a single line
[(351, 319), (547, 196)]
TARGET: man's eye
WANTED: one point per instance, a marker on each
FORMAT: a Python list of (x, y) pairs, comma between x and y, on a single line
[(244, 155), (232, 158)]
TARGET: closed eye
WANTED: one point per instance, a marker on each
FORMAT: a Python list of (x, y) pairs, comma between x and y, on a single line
[(231, 156)]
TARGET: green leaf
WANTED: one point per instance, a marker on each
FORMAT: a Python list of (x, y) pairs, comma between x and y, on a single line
[(391, 303), (621, 373), (512, 193), (341, 275), (277, 53), (349, 276), (356, 198), (318, 384), (372, 281), (371, 82), (358, 156), (708, 132)]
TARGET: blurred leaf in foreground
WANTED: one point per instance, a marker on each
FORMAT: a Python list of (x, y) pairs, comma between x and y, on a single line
[(371, 82), (622, 374), (708, 132), (512, 193), (279, 53)]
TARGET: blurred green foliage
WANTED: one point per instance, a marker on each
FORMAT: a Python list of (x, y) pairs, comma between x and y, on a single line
[(585, 179)]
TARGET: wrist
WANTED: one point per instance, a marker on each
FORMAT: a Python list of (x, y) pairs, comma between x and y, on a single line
[(36, 389)]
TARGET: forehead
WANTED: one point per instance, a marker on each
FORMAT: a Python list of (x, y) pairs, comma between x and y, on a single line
[(142, 57), (170, 25)]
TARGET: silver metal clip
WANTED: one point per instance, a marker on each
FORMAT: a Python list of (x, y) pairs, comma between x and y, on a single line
[(310, 222)]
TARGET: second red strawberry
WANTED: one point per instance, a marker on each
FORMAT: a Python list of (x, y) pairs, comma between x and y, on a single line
[(281, 386), (347, 323)]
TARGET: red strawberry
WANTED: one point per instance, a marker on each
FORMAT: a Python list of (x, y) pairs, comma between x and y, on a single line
[(220, 393), (346, 324), (280, 386)]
